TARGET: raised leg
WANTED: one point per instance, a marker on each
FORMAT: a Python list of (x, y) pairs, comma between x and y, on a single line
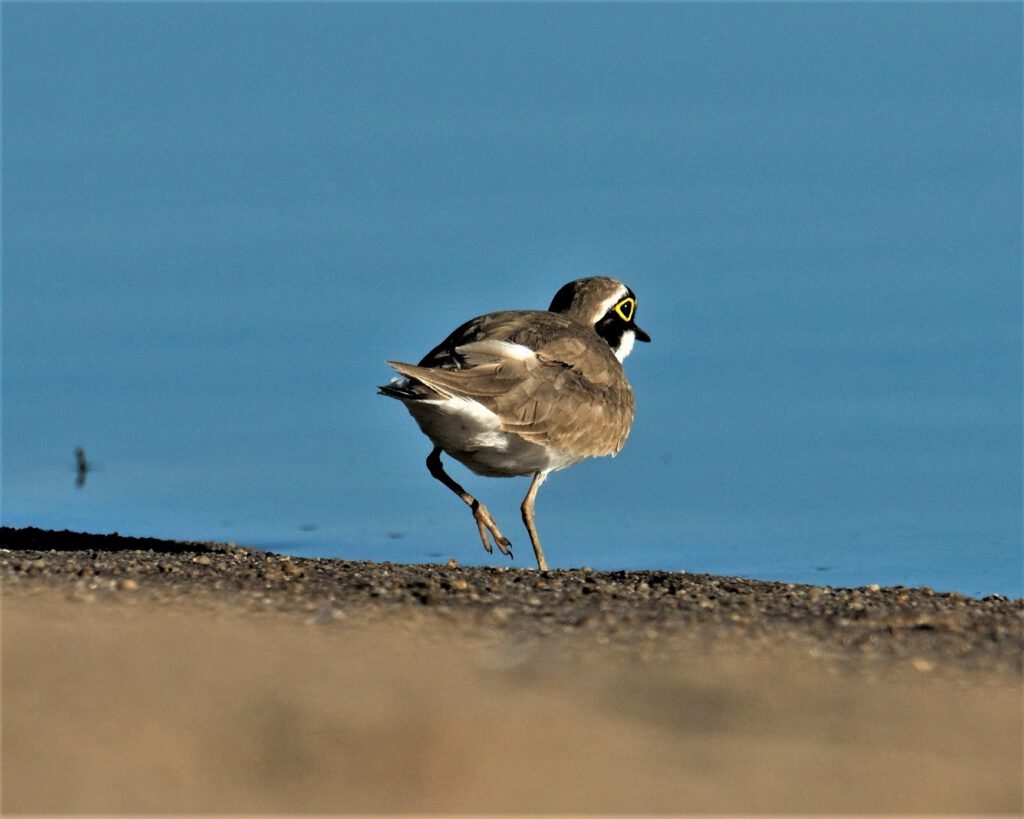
[(484, 522), (527, 509)]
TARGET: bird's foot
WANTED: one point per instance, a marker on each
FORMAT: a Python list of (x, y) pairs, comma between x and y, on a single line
[(485, 524)]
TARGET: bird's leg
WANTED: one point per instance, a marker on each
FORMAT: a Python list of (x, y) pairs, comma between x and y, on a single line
[(484, 522), (527, 509)]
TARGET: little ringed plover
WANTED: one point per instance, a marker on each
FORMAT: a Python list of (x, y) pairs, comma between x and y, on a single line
[(527, 392)]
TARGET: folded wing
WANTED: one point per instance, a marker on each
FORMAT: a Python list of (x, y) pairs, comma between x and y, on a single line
[(579, 409)]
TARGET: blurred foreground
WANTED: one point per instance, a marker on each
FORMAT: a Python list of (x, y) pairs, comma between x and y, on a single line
[(171, 708)]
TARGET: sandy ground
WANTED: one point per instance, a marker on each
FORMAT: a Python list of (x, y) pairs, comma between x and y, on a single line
[(122, 695)]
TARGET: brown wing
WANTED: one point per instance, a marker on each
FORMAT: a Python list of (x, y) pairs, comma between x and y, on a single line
[(495, 326), (584, 407)]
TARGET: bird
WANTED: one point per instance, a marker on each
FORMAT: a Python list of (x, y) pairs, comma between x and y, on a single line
[(526, 393)]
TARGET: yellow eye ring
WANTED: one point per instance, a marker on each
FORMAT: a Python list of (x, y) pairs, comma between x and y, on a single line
[(626, 308)]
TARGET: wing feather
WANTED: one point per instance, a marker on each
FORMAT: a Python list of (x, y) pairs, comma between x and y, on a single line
[(521, 371)]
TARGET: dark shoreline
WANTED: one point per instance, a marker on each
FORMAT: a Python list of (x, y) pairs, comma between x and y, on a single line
[(926, 629)]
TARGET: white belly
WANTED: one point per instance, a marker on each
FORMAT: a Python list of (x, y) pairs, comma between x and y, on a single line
[(472, 434)]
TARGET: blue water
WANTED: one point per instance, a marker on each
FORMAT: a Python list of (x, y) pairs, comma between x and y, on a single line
[(220, 220)]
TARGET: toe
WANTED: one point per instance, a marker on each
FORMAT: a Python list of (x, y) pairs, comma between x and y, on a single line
[(483, 536)]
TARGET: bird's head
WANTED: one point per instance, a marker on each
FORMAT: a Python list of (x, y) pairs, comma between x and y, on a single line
[(606, 305)]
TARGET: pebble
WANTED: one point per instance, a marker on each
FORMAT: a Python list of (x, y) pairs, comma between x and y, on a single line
[(327, 615)]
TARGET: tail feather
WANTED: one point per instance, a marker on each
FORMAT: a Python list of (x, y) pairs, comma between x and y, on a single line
[(405, 387), (399, 390)]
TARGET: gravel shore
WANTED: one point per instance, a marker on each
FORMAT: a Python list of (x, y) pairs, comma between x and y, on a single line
[(151, 676), (929, 630)]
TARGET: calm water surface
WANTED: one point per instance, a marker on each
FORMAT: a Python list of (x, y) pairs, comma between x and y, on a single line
[(220, 220)]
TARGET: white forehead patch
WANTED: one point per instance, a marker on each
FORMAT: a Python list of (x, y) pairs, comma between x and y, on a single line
[(609, 303), (625, 345)]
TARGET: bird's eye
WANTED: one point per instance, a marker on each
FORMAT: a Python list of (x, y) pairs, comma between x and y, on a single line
[(626, 308)]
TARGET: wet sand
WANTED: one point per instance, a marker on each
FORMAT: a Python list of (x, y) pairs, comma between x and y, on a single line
[(153, 676)]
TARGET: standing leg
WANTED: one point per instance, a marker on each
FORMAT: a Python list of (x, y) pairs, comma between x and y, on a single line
[(484, 522), (527, 509)]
